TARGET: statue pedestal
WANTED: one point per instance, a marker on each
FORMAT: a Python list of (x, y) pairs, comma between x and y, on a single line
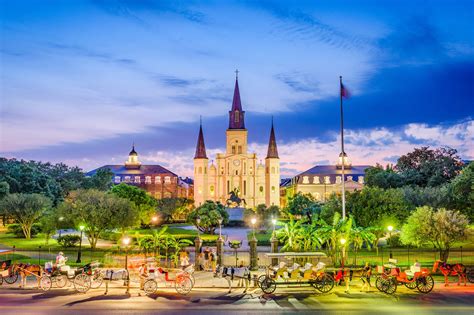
[(236, 214)]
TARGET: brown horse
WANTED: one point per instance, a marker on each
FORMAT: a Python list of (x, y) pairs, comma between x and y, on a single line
[(451, 270), (25, 270)]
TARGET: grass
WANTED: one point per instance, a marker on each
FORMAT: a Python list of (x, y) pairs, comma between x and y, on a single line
[(263, 239), (31, 244), (177, 232)]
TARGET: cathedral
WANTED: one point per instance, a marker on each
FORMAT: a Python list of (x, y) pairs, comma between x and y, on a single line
[(237, 170)]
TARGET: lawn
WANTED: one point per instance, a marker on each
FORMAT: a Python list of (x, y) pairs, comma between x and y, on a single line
[(31, 244)]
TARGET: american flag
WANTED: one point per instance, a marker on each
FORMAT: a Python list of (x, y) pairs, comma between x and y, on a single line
[(345, 92)]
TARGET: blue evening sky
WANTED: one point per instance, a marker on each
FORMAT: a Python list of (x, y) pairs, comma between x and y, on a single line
[(80, 81)]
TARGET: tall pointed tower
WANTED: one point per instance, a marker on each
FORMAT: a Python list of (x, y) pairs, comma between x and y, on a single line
[(200, 170), (236, 134), (272, 172)]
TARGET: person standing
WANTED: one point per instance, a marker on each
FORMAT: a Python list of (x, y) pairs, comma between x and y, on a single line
[(143, 272), (365, 277), (213, 259)]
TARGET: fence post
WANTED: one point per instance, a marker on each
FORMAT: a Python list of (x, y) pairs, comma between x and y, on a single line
[(253, 254), (274, 249), (197, 250), (220, 251)]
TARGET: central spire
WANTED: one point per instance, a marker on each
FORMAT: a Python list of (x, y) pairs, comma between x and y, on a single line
[(272, 146), (236, 114), (200, 147)]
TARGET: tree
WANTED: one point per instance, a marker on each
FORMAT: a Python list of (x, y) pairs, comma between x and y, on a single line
[(173, 209), (290, 235), (428, 167), (101, 180), (378, 177), (49, 222), (439, 228), (145, 204), (98, 211), (461, 191), (25, 209), (303, 205), (209, 213)]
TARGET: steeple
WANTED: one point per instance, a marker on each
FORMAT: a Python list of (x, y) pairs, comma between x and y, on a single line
[(132, 162), (272, 146), (236, 114), (200, 147)]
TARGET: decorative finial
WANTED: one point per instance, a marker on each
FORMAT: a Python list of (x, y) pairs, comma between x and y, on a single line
[(272, 120), (236, 74), (200, 120)]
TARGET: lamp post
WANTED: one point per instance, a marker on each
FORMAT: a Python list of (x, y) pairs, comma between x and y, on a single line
[(197, 245), (343, 243), (390, 229), (274, 222), (220, 220), (126, 242), (79, 253), (253, 221), (60, 219)]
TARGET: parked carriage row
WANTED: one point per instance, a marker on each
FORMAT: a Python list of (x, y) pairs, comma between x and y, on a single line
[(282, 273)]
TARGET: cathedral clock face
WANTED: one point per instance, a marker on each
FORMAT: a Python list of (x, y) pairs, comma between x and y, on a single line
[(236, 162)]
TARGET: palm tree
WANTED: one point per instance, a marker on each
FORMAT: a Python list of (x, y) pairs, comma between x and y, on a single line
[(290, 235), (331, 234), (359, 237)]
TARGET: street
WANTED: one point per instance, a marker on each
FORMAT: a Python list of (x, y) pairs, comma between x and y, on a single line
[(453, 300)]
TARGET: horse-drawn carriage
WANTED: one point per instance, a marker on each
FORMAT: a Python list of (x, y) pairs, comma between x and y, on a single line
[(7, 273), (182, 280), (290, 271), (83, 278), (390, 276)]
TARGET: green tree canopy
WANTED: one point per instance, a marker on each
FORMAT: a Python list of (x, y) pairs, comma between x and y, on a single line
[(209, 213), (461, 191), (383, 178), (440, 228), (101, 180), (146, 204), (25, 209), (99, 211), (303, 205), (429, 167), (173, 209)]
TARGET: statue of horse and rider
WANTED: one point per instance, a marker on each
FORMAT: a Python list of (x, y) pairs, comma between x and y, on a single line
[(234, 199)]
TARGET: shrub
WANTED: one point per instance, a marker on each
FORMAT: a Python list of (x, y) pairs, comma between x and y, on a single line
[(16, 229), (69, 240)]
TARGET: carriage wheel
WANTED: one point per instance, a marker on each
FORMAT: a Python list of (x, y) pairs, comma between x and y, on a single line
[(325, 283), (378, 283), (150, 286), (82, 283), (389, 286), (191, 277), (260, 280), (45, 283), (470, 276), (183, 284), (268, 285), (60, 281), (425, 284), (96, 280), (411, 285), (11, 278)]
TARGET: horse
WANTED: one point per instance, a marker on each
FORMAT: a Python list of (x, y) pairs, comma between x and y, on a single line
[(235, 199), (25, 270), (229, 273), (451, 270)]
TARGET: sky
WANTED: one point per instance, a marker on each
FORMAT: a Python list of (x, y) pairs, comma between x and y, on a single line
[(80, 81)]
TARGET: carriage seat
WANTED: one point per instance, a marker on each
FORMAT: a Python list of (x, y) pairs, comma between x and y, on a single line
[(281, 265), (307, 266), (319, 266), (412, 270)]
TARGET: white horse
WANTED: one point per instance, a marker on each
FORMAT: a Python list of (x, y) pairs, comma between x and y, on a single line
[(231, 273)]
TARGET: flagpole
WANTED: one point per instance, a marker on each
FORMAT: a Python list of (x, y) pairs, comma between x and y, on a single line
[(343, 153)]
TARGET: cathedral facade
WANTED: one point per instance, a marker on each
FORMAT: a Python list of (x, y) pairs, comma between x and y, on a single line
[(237, 170)]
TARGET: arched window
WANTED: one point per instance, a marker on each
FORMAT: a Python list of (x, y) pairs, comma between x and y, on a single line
[(273, 169), (157, 179), (200, 170), (240, 149), (233, 149), (305, 179), (273, 189), (236, 116), (261, 190)]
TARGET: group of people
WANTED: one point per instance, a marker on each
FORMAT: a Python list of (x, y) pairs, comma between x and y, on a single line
[(207, 259)]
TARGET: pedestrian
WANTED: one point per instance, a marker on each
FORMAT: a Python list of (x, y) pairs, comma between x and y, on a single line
[(365, 277), (348, 278), (206, 258), (143, 272), (200, 261), (213, 258), (184, 260)]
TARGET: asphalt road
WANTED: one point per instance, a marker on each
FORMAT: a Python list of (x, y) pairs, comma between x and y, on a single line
[(451, 300)]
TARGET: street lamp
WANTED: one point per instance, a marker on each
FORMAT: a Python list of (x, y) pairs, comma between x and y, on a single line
[(390, 229), (220, 220), (253, 221), (274, 222), (154, 219), (126, 242), (79, 253), (60, 220), (343, 243), (198, 221)]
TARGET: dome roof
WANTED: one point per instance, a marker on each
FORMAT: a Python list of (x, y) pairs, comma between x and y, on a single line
[(133, 152)]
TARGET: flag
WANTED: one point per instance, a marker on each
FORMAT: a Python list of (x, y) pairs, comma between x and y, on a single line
[(344, 92)]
